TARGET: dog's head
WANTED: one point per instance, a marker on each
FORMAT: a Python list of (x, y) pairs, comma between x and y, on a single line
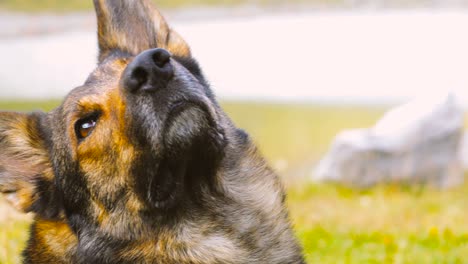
[(143, 136)]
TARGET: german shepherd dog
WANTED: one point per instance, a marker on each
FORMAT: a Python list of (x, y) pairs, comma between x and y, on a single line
[(140, 164)]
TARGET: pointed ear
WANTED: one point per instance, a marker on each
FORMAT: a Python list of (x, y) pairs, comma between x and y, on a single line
[(26, 175), (133, 26)]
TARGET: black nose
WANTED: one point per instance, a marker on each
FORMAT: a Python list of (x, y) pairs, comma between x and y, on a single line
[(149, 71)]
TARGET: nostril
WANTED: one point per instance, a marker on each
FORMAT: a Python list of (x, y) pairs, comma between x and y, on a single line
[(161, 57), (138, 77)]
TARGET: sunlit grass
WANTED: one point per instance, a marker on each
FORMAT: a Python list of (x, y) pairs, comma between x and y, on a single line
[(294, 137), (385, 224), (13, 236), (24, 106), (86, 5)]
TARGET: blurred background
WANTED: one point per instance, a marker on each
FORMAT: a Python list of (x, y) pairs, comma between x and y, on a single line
[(301, 76)]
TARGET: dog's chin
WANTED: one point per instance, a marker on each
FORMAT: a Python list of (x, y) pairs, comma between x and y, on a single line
[(193, 146), (188, 122)]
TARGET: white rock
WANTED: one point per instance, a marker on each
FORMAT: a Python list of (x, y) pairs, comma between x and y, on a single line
[(418, 142), (464, 151)]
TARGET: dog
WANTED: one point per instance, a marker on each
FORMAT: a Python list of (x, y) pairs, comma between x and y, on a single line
[(140, 164)]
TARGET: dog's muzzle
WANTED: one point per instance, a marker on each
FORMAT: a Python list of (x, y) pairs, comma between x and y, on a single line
[(148, 72)]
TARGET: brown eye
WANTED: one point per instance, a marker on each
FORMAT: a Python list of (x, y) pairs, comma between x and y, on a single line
[(85, 126)]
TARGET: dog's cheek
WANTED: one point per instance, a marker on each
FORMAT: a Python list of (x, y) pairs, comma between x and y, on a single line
[(105, 163)]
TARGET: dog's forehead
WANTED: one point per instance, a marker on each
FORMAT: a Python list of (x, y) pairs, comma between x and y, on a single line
[(108, 71), (102, 81)]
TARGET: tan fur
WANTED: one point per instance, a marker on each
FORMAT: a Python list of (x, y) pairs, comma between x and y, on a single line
[(22, 157)]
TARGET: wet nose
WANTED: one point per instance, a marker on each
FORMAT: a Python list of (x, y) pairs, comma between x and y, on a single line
[(149, 71)]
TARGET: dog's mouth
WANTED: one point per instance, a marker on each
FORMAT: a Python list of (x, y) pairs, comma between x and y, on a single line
[(192, 147), (165, 187)]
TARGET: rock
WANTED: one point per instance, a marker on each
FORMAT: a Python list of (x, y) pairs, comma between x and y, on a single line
[(418, 142), (464, 151)]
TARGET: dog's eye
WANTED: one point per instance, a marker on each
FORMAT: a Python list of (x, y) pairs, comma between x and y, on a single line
[(85, 126)]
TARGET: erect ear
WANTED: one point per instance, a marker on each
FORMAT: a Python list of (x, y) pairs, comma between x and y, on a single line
[(26, 175), (133, 26)]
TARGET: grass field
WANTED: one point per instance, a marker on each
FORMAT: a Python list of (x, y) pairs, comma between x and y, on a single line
[(385, 224), (82, 5)]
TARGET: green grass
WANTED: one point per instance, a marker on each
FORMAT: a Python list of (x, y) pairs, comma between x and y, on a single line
[(294, 136), (22, 106), (84, 5), (13, 235), (385, 224)]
